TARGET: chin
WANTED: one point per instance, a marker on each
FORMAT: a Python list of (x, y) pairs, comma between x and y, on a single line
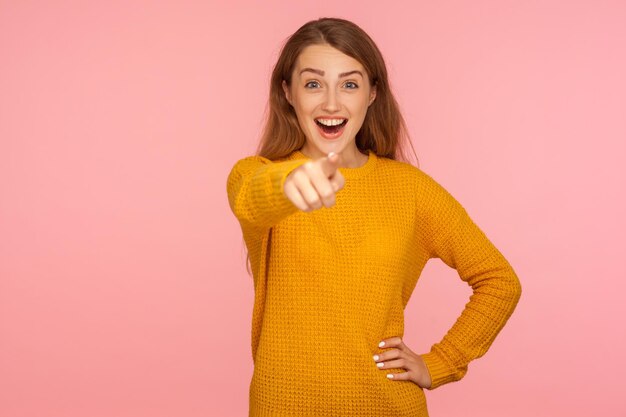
[(326, 147)]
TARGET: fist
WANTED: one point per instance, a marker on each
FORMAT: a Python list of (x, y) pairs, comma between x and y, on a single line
[(313, 185)]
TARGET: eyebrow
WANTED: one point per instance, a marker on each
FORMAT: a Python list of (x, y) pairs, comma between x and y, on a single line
[(343, 74)]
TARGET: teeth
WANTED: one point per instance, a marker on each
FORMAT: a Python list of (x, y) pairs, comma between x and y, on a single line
[(331, 122)]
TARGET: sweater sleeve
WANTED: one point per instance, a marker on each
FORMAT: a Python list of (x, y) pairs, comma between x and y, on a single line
[(255, 191), (462, 245)]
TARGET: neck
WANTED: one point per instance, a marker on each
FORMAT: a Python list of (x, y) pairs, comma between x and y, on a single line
[(351, 158)]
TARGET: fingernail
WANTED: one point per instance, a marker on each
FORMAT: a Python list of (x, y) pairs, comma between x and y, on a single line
[(381, 344), (376, 357), (380, 364), (390, 376), (331, 153)]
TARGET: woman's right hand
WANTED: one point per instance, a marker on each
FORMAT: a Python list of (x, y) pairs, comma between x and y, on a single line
[(315, 183)]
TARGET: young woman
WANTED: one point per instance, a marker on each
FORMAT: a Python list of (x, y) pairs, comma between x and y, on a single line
[(338, 230)]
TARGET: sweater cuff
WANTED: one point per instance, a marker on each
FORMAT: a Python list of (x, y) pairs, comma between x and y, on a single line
[(439, 371)]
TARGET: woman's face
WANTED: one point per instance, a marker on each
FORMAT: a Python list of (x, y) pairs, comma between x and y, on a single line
[(329, 86)]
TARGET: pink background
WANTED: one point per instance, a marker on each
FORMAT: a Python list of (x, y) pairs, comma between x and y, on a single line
[(123, 287)]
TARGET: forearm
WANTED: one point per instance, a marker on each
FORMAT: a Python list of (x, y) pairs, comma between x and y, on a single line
[(496, 292)]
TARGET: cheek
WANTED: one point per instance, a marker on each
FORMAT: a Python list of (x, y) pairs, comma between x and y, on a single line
[(357, 105), (301, 112), (307, 110), (305, 103), (304, 120)]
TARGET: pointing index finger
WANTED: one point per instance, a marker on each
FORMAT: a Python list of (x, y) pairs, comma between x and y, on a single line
[(330, 165)]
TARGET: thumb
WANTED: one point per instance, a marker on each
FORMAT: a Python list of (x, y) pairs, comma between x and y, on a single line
[(330, 163)]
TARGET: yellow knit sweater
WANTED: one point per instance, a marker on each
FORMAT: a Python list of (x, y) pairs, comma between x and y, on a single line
[(330, 284)]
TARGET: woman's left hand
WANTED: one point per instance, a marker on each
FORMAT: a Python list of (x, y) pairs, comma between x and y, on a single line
[(403, 357)]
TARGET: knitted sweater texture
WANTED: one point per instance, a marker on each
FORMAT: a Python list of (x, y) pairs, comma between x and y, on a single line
[(330, 284)]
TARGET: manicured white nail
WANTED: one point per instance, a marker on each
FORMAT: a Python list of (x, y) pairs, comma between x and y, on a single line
[(380, 364), (376, 357), (331, 153), (381, 344), (390, 376)]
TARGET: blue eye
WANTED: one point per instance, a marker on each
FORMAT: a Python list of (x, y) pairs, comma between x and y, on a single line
[(355, 86)]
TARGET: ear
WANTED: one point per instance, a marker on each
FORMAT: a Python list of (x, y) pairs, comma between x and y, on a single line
[(372, 95), (287, 92)]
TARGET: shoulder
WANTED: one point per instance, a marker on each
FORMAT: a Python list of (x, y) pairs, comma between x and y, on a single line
[(409, 173), (249, 162), (247, 165), (430, 196), (242, 169)]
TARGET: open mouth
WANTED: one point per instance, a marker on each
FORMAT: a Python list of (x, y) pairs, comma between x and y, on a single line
[(331, 130)]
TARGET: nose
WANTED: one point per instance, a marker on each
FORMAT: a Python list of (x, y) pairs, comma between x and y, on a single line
[(331, 101)]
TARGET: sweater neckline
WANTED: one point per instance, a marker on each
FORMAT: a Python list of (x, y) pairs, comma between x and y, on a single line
[(351, 173)]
